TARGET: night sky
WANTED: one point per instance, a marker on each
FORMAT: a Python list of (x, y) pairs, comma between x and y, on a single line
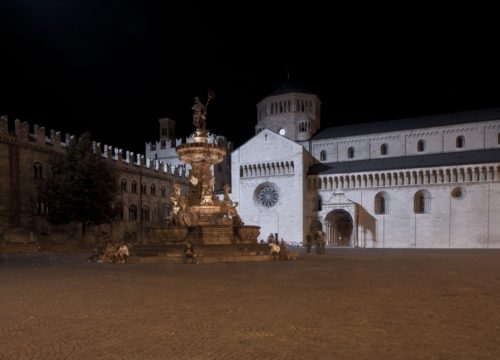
[(115, 67)]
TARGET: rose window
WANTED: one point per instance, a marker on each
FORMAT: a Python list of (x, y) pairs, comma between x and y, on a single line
[(268, 196)]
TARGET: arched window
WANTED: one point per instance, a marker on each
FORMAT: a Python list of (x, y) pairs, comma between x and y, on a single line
[(134, 187), (460, 142), (498, 138), (422, 202), (41, 208), (123, 185), (120, 214), (384, 149), (145, 213), (350, 152), (163, 191), (143, 189), (382, 203), (132, 212), (153, 189), (37, 170), (421, 145), (322, 155)]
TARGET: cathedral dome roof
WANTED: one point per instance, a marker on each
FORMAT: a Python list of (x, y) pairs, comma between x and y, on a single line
[(290, 86)]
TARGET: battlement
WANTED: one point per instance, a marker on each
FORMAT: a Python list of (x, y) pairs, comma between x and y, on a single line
[(130, 159), (21, 135)]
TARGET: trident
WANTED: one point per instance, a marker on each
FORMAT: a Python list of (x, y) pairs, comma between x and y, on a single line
[(211, 95)]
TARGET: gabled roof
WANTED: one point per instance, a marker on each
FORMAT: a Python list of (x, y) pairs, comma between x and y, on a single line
[(408, 162), (408, 124), (268, 132)]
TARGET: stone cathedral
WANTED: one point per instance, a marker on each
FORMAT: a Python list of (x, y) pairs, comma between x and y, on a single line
[(426, 182)]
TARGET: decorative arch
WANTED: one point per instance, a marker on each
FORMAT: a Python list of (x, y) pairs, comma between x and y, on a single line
[(340, 225)]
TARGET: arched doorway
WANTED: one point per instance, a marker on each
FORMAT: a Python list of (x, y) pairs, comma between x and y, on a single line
[(340, 228)]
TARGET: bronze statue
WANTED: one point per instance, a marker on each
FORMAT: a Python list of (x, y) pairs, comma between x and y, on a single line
[(200, 111)]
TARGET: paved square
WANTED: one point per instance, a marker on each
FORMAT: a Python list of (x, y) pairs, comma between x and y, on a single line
[(348, 304)]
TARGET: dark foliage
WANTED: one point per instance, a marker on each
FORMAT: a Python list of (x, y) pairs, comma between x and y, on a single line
[(82, 186)]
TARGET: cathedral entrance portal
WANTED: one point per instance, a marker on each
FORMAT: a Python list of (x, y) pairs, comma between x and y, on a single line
[(340, 228)]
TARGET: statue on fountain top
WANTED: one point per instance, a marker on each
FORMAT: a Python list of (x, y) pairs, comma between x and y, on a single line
[(200, 111)]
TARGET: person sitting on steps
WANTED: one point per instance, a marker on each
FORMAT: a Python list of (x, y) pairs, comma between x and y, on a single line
[(189, 256)]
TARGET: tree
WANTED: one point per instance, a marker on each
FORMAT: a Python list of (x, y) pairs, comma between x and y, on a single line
[(82, 186)]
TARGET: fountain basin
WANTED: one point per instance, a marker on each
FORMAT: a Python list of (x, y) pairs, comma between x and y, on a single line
[(248, 234), (167, 234)]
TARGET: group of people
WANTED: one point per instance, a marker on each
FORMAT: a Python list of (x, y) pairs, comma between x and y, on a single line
[(278, 248), (319, 238), (112, 252)]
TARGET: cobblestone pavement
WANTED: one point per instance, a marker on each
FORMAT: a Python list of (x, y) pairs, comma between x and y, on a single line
[(347, 304)]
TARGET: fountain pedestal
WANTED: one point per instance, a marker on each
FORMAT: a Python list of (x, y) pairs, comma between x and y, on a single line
[(199, 217)]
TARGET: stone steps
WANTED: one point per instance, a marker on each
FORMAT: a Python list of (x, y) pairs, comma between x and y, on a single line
[(205, 254)]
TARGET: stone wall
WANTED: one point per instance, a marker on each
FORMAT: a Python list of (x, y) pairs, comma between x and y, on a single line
[(24, 161)]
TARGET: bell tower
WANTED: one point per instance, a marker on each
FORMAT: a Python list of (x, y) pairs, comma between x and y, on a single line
[(291, 111)]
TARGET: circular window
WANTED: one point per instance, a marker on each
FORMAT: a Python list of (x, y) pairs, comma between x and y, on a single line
[(282, 131), (458, 193), (268, 196)]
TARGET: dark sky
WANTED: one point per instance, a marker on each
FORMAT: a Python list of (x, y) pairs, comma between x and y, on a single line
[(114, 67)]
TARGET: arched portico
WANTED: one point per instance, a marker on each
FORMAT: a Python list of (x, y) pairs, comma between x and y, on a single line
[(339, 220), (339, 228)]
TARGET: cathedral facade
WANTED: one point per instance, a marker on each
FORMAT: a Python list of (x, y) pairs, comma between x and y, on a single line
[(427, 182)]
